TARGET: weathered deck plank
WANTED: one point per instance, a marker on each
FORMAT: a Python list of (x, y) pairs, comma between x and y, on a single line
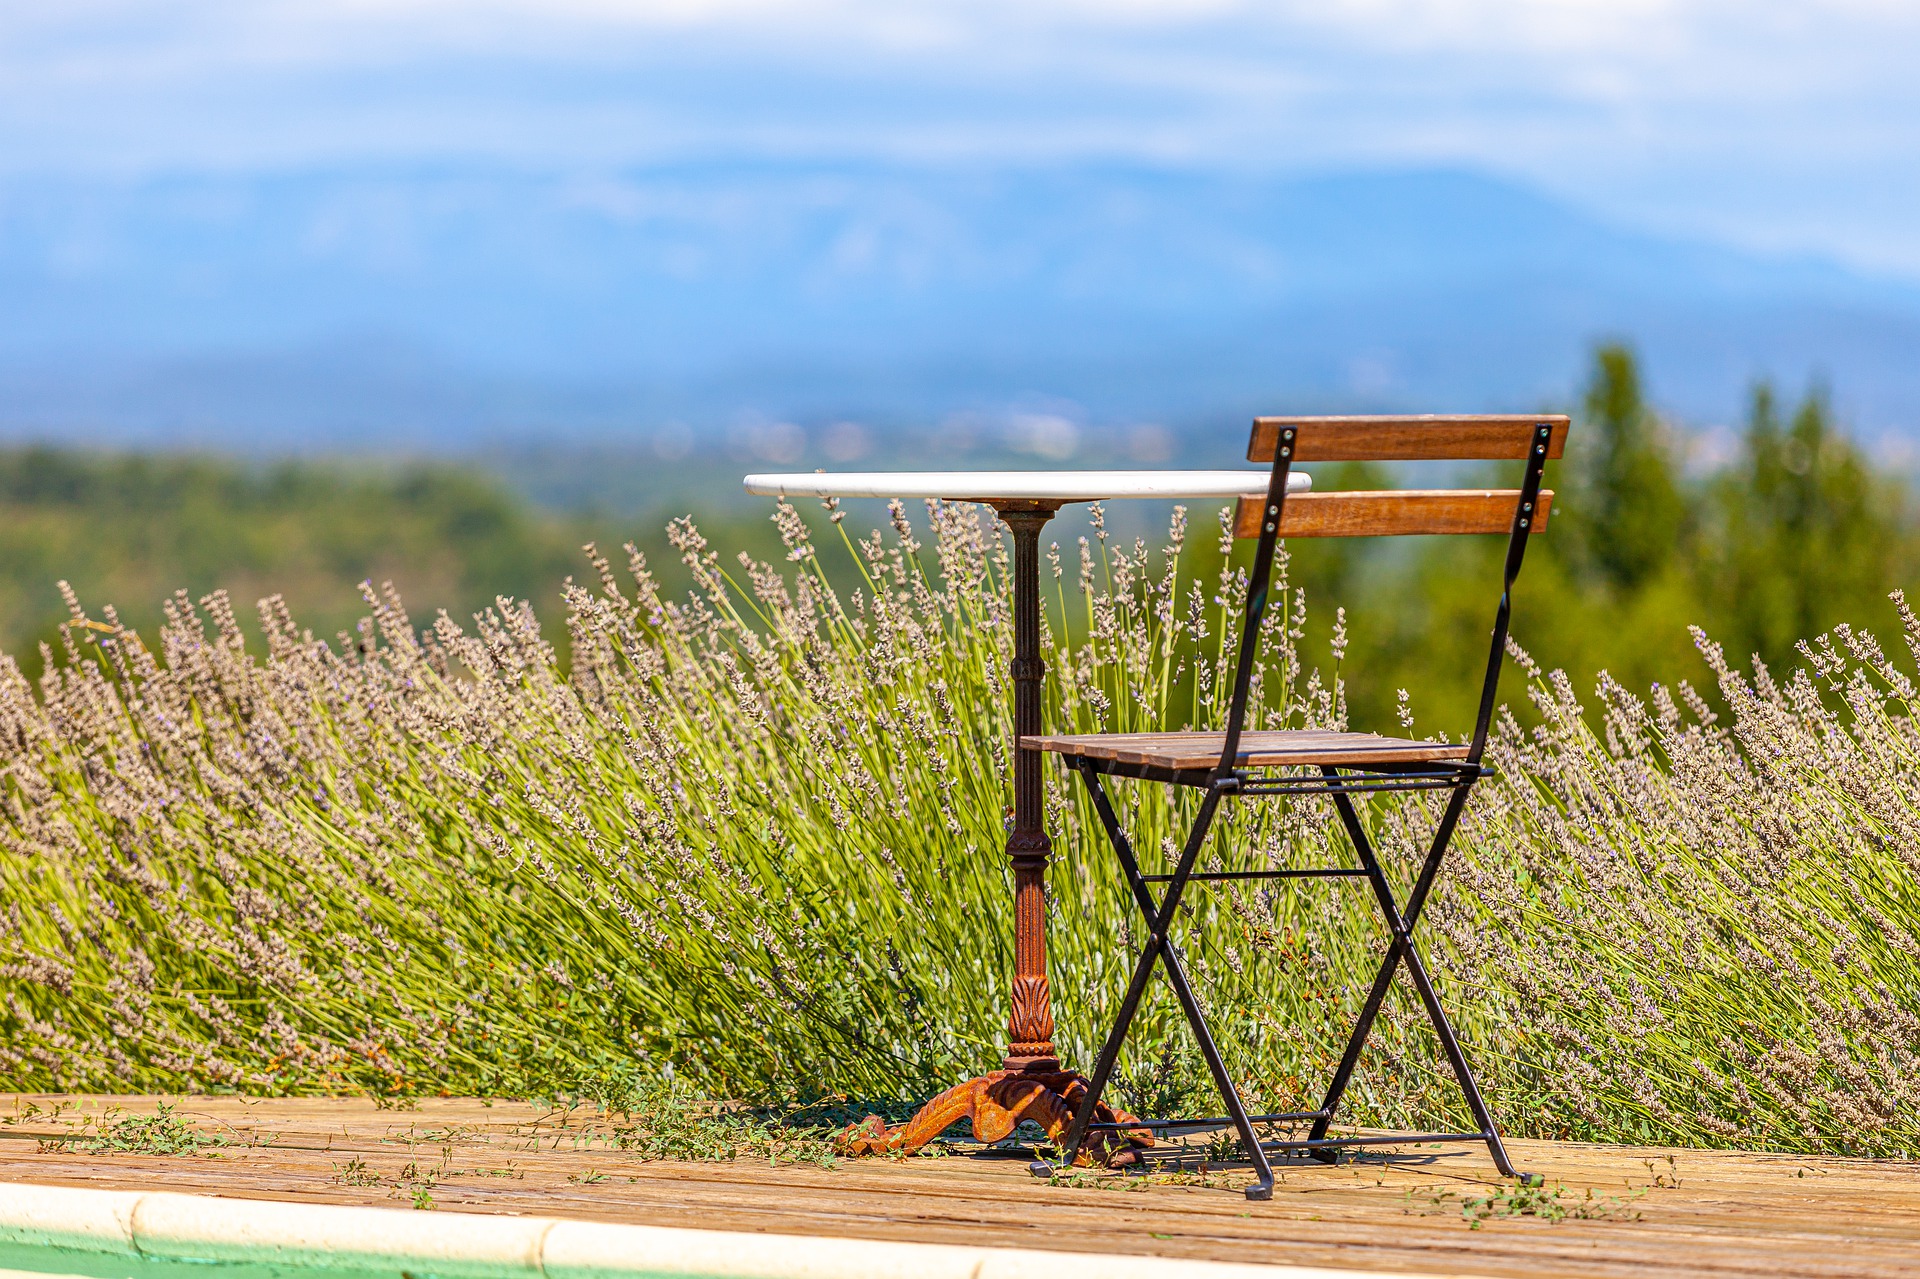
[(1730, 1213)]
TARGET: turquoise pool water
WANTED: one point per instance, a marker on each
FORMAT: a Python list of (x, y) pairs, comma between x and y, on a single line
[(37, 1260)]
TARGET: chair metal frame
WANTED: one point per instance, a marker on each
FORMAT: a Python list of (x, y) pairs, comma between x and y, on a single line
[(1339, 782)]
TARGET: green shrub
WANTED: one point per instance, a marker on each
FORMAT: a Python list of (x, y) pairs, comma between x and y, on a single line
[(750, 841)]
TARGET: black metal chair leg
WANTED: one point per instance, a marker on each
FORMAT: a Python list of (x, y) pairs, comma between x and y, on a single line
[(1177, 976), (1382, 979), (1403, 947), (1122, 846), (1362, 1028), (1158, 922), (1462, 1072), (1110, 1051), (1223, 1082)]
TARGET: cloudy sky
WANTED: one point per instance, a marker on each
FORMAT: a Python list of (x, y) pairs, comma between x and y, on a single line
[(1792, 125)]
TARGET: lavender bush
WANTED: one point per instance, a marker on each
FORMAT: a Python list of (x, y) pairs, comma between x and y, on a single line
[(750, 839)]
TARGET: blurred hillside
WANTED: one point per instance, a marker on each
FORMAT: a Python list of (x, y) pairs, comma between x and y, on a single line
[(819, 314)]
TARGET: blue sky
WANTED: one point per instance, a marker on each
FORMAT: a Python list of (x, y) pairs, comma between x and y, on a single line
[(1786, 126)]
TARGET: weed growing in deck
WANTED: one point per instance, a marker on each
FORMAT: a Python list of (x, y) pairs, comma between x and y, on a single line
[(355, 1173), (668, 1122), (1518, 1199), (161, 1133)]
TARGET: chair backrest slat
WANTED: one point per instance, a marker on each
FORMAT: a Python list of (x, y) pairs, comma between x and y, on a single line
[(1519, 513), (1395, 513), (1429, 438)]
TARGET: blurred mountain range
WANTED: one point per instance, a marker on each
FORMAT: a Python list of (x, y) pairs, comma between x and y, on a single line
[(823, 315)]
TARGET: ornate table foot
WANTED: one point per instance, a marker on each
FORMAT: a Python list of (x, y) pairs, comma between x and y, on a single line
[(996, 1103)]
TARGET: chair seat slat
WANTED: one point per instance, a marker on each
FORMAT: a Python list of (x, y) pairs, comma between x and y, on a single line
[(1306, 747)]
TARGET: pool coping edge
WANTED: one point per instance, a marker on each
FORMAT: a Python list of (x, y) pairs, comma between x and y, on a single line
[(165, 1225)]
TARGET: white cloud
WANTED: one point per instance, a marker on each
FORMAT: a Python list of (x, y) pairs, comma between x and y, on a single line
[(1791, 122)]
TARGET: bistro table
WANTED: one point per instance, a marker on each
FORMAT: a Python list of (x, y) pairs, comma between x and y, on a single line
[(1031, 1083)]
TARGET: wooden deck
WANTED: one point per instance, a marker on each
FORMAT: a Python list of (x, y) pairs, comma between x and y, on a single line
[(1681, 1212)]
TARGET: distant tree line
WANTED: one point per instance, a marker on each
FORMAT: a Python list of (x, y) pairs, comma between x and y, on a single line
[(128, 530), (1796, 532)]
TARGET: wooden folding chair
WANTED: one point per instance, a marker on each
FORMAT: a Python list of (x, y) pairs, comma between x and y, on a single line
[(1236, 764)]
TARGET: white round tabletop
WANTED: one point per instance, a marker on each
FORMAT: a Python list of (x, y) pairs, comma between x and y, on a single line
[(1031, 486)]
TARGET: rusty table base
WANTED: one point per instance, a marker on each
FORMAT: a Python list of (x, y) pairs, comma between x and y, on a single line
[(996, 1103)]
